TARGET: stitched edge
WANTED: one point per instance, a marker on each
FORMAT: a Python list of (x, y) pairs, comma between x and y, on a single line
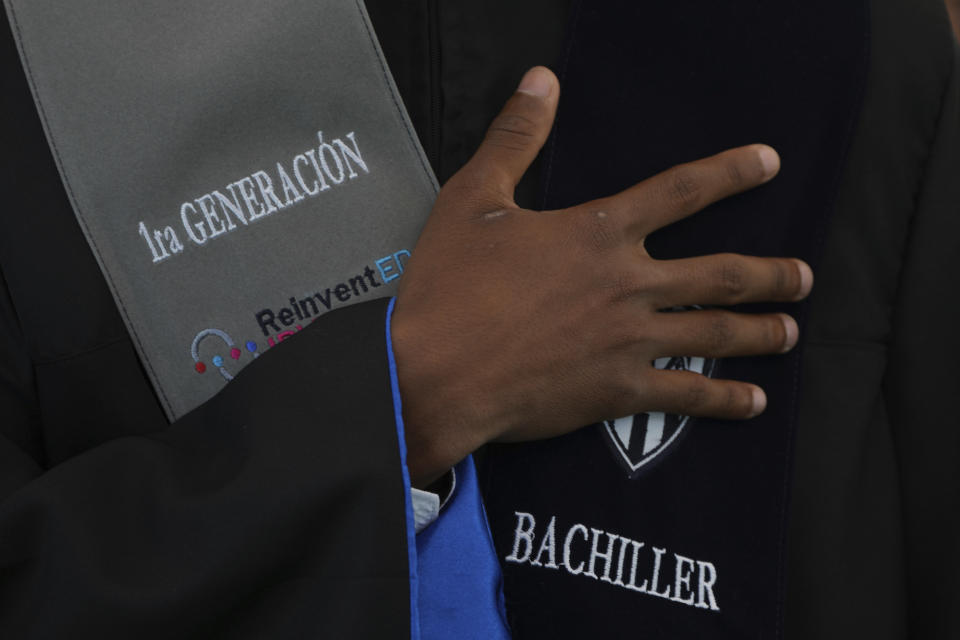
[(99, 346)]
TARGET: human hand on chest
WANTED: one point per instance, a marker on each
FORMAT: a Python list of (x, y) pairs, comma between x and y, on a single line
[(513, 324)]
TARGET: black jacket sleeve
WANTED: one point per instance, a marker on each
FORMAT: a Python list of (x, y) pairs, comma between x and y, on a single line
[(922, 383), (275, 510)]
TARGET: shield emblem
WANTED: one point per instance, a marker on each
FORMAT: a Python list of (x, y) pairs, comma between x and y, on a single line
[(638, 440)]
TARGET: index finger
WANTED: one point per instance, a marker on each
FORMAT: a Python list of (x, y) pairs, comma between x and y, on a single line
[(688, 188)]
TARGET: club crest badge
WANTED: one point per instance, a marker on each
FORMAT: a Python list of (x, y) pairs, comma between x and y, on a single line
[(638, 440)]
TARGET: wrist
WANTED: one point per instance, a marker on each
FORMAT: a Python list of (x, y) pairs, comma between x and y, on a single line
[(446, 413)]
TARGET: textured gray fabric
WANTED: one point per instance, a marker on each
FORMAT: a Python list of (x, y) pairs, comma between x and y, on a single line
[(151, 107)]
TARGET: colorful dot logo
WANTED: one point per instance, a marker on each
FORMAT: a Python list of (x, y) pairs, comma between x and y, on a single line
[(233, 352), (217, 360)]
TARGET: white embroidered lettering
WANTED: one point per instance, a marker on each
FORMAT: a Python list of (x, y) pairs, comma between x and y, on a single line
[(604, 550), (208, 208), (325, 149), (524, 536), (682, 579), (310, 191), (582, 530), (620, 558), (549, 546), (707, 578), (200, 235), (606, 556), (349, 154), (250, 198), (230, 207), (290, 192), (265, 184), (655, 578), (632, 585), (258, 195), (316, 168), (158, 256), (173, 242)]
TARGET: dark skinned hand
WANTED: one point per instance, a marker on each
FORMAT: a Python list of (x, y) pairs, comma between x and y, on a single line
[(516, 325)]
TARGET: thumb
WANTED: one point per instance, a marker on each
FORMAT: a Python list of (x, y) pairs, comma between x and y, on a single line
[(516, 135)]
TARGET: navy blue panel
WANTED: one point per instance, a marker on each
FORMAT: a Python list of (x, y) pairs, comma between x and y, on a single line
[(648, 85)]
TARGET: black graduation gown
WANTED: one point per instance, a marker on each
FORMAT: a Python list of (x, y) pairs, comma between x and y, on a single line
[(252, 517)]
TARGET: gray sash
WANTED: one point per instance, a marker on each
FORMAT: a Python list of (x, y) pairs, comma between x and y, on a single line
[(238, 167)]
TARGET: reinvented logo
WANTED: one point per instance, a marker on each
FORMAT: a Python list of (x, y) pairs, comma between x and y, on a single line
[(638, 440)]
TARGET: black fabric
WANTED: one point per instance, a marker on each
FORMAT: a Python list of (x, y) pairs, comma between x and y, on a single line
[(244, 519), (69, 339), (875, 518), (457, 62), (920, 407), (646, 87)]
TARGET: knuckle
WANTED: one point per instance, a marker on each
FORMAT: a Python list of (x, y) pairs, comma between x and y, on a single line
[(513, 130), (719, 336), (732, 278), (463, 187), (736, 176), (683, 187), (595, 230), (623, 385), (476, 186), (624, 286), (696, 396), (619, 336)]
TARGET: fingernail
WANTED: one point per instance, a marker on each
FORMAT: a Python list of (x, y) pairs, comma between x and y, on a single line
[(759, 402), (770, 161), (791, 330), (806, 280), (537, 82)]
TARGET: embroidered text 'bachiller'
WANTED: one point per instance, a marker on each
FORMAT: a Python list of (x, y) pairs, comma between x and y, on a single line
[(258, 195), (616, 560)]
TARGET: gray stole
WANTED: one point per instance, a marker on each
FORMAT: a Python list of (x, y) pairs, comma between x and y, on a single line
[(238, 167)]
